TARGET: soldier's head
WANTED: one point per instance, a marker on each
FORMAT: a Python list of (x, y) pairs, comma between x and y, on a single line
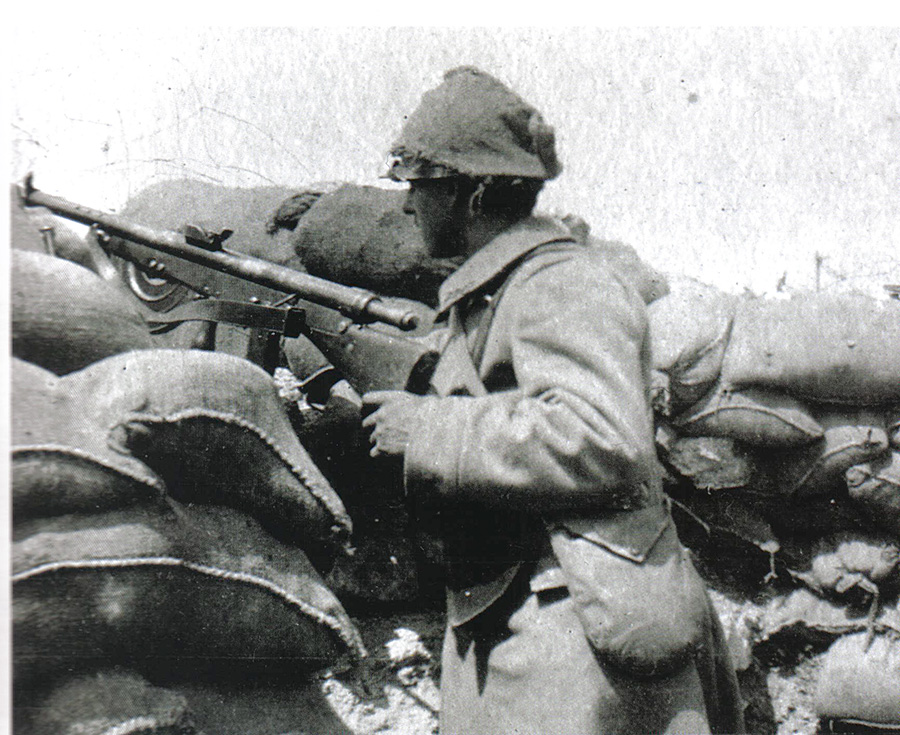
[(476, 156)]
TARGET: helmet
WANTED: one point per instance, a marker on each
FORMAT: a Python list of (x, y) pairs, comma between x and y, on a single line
[(473, 125)]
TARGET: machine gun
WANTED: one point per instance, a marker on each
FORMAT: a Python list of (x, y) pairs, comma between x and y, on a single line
[(358, 331)]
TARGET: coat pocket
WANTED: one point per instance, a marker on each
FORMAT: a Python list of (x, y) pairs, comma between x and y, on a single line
[(641, 602)]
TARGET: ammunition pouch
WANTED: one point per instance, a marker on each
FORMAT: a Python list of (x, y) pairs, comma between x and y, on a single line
[(641, 602)]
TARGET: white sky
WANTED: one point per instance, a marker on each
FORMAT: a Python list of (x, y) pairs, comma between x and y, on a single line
[(732, 155)]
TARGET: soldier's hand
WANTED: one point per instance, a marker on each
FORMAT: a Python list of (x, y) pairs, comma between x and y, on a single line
[(390, 416)]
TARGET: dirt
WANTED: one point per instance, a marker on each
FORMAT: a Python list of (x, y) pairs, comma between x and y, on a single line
[(399, 695)]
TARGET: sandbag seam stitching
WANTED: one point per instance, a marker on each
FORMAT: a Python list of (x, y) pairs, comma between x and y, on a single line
[(150, 478), (320, 616), (721, 406), (317, 489)]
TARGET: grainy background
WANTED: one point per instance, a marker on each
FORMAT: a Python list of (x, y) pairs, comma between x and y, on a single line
[(740, 156)]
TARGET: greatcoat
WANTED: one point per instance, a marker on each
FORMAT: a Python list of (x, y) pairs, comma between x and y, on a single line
[(539, 409)]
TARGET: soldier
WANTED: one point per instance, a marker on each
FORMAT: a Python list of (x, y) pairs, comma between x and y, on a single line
[(572, 608)]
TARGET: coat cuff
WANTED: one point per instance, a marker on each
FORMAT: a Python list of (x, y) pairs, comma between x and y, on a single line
[(431, 460)]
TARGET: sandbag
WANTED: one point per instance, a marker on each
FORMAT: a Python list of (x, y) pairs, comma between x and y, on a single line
[(106, 703), (893, 424), (825, 348), (710, 463), (65, 317), (858, 565), (752, 415), (60, 461), (213, 427), (859, 682), (360, 236), (689, 330), (818, 469), (876, 487), (169, 586), (623, 260), (37, 230), (170, 205), (804, 614)]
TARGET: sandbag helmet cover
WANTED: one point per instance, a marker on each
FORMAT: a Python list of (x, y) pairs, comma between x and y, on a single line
[(473, 125)]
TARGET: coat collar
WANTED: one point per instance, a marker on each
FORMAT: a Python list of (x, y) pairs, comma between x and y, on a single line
[(497, 256)]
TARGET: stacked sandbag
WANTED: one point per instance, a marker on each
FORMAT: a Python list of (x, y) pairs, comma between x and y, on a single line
[(806, 387), (875, 486), (37, 230), (776, 421), (64, 317), (247, 212), (107, 702), (166, 519), (854, 676), (827, 349), (689, 330), (360, 236), (859, 682)]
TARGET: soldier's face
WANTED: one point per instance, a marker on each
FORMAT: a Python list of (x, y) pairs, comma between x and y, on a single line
[(435, 205)]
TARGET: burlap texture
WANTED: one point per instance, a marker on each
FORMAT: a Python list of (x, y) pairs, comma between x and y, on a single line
[(838, 349), (65, 317), (213, 427), (853, 564), (754, 416), (859, 682), (62, 462), (360, 236), (689, 331), (106, 703), (161, 585), (876, 487), (849, 438), (803, 612)]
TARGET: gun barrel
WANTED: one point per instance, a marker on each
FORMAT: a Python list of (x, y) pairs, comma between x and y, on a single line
[(356, 303)]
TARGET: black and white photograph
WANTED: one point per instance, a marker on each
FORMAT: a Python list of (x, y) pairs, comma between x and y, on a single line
[(452, 380)]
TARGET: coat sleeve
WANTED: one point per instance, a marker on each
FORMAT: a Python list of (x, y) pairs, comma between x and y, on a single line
[(576, 432)]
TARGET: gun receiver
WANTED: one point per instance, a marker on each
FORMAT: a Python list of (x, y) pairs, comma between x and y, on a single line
[(205, 249), (284, 302)]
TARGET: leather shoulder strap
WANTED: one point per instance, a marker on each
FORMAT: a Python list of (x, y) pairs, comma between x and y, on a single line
[(484, 327)]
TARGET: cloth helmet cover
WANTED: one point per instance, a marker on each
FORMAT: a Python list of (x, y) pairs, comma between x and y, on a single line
[(473, 125)]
